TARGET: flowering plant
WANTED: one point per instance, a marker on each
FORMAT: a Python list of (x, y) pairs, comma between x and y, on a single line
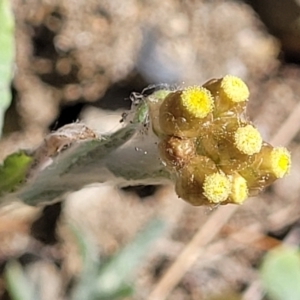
[(206, 145), (215, 154)]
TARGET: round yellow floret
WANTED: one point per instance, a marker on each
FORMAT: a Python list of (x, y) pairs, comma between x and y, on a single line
[(280, 161), (216, 187), (248, 140), (234, 89), (197, 101), (239, 190)]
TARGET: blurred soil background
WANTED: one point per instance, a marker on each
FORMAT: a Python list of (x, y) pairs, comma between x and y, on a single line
[(81, 60)]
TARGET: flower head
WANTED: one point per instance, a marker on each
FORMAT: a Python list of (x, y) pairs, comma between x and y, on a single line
[(190, 178), (216, 187), (280, 161), (197, 101), (182, 112), (248, 140), (239, 189), (234, 89), (214, 153)]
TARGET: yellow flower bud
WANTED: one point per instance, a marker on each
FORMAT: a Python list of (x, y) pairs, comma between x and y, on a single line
[(176, 152), (183, 113), (239, 189), (268, 165), (197, 101), (248, 140), (189, 181), (218, 143), (216, 188), (230, 94), (234, 89), (280, 161), (256, 181), (274, 161)]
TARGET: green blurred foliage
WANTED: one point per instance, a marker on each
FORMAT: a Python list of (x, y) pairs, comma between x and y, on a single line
[(280, 274), (13, 171), (7, 54), (108, 280), (18, 285), (113, 279)]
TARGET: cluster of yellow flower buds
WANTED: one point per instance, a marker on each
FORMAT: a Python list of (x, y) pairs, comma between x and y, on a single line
[(214, 152)]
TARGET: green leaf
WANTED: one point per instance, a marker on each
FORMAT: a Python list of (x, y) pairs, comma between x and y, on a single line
[(113, 279), (86, 286), (141, 113), (13, 171), (128, 156), (123, 291), (7, 51), (18, 285), (280, 273)]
